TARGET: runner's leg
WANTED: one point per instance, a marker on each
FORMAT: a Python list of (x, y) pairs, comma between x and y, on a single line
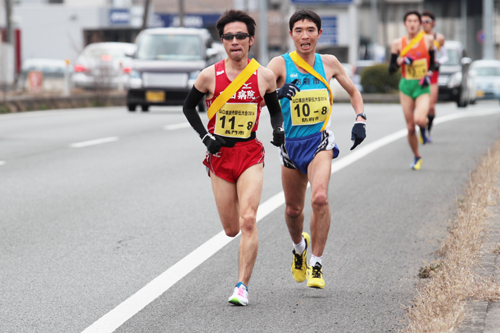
[(294, 187), (319, 171), (408, 105), (249, 189), (226, 199)]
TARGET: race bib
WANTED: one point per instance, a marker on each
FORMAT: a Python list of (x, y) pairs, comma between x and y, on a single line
[(309, 107), (417, 70), (236, 120)]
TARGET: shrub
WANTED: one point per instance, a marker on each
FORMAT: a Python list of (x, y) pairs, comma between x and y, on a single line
[(376, 79)]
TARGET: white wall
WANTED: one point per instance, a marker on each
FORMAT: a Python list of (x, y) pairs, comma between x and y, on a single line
[(55, 31)]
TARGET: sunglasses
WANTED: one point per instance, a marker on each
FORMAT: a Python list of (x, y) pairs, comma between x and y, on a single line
[(427, 21), (239, 36)]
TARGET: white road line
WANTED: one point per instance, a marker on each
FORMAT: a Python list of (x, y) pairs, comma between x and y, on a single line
[(135, 303), (93, 142), (177, 126), (2, 162)]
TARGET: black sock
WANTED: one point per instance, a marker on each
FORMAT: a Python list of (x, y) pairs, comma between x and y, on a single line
[(429, 126)]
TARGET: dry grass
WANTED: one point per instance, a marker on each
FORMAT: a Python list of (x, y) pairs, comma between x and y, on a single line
[(439, 305)]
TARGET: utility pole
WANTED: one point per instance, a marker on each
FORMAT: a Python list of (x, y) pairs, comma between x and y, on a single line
[(374, 26), (8, 21), (488, 52), (463, 19), (263, 50), (145, 14), (181, 13)]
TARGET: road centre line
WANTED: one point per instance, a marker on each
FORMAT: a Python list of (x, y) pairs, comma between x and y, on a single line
[(93, 142), (135, 303), (177, 126)]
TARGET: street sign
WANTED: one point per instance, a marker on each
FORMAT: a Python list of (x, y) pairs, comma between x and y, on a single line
[(329, 25), (119, 16)]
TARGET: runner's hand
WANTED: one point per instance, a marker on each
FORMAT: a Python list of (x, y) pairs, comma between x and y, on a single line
[(213, 143), (408, 61), (288, 90), (358, 134), (278, 136), (425, 81)]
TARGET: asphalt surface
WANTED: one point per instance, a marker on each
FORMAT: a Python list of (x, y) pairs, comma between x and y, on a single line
[(83, 229)]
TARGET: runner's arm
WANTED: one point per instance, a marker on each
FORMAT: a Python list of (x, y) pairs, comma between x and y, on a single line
[(345, 82), (393, 65), (189, 108), (200, 88), (443, 55), (273, 106)]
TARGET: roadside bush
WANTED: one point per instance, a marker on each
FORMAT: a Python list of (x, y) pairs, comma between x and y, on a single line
[(376, 79)]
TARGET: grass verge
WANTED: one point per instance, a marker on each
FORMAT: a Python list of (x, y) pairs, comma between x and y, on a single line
[(440, 302)]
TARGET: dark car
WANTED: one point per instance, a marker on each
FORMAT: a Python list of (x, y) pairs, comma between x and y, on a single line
[(455, 84), (166, 65)]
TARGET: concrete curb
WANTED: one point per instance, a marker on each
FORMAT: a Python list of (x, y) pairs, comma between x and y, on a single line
[(483, 316), (14, 104)]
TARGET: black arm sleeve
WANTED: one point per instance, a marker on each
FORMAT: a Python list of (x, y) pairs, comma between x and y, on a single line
[(273, 105), (432, 62), (189, 108), (393, 66)]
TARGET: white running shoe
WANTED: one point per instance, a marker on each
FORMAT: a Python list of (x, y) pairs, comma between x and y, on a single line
[(239, 296)]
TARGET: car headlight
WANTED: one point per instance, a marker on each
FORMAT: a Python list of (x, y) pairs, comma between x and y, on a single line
[(192, 77), (455, 80)]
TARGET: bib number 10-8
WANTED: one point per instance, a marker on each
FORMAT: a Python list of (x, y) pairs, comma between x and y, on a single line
[(309, 107)]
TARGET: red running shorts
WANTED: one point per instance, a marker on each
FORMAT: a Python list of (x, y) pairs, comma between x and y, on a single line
[(230, 162)]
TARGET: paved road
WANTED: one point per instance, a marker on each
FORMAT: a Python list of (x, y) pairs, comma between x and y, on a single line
[(85, 224)]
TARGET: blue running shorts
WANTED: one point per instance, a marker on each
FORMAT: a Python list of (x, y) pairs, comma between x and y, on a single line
[(297, 153)]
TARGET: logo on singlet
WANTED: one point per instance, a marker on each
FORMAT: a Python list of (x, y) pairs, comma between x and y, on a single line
[(246, 85), (294, 75), (219, 73)]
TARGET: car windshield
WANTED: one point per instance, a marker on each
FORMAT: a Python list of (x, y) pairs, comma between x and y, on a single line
[(487, 71), (169, 47), (453, 57), (105, 53)]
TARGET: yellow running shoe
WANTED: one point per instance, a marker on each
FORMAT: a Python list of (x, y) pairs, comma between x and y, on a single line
[(315, 276), (299, 261), (417, 164)]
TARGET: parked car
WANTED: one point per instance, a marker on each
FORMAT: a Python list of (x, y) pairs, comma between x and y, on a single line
[(455, 83), (358, 69), (487, 74), (103, 66), (52, 71), (166, 65)]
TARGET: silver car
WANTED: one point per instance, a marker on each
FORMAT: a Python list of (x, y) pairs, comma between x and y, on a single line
[(487, 74), (103, 66), (166, 64)]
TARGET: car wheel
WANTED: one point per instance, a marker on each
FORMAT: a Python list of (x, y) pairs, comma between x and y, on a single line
[(131, 107), (202, 106), (145, 108)]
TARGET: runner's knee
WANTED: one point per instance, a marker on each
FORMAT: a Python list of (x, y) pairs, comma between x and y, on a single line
[(293, 211), (319, 199), (231, 232), (248, 221), (411, 129)]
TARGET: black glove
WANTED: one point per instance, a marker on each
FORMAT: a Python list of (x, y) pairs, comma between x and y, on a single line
[(426, 81), (408, 61), (213, 143), (288, 90), (278, 136), (358, 134)]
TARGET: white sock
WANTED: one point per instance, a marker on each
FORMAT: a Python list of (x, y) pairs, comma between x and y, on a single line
[(299, 248), (314, 260)]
